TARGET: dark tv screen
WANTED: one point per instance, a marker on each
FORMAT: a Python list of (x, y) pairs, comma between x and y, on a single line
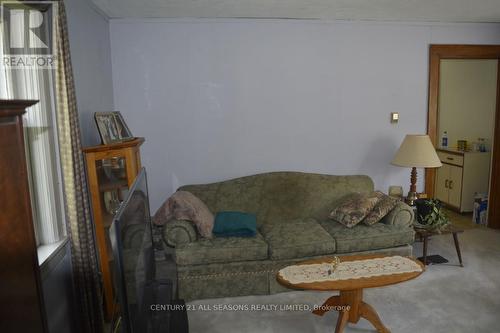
[(133, 253)]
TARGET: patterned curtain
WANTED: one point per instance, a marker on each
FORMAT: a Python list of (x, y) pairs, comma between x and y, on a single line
[(80, 228)]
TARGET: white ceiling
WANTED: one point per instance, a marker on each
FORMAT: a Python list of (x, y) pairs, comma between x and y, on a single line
[(382, 10)]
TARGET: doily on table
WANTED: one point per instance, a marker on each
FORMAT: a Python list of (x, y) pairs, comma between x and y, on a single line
[(349, 270)]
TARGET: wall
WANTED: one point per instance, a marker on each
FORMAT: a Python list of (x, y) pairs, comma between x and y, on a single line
[(467, 99), (58, 291), (91, 59), (217, 99)]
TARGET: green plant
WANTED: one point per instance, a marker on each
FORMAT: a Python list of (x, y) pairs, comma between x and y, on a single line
[(434, 217)]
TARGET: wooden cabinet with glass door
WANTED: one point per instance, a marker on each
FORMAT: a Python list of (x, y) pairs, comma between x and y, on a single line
[(111, 170)]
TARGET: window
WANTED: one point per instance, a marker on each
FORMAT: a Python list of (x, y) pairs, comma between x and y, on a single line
[(41, 145)]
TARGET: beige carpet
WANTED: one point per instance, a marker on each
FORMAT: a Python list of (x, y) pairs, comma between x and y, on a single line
[(444, 299)]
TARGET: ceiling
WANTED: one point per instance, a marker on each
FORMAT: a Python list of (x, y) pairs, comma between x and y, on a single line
[(380, 10)]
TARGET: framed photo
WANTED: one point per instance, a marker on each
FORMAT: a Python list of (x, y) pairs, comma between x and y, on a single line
[(396, 192), (112, 127)]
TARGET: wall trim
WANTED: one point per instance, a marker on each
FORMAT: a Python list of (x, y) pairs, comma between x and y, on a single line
[(436, 53)]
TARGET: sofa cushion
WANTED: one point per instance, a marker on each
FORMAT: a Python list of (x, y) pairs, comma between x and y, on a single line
[(355, 208), (296, 239), (381, 209), (217, 250), (364, 238)]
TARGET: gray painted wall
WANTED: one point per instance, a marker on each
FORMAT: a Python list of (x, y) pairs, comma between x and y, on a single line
[(91, 60), (58, 291), (217, 99)]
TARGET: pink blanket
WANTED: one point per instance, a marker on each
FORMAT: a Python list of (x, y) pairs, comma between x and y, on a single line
[(183, 205)]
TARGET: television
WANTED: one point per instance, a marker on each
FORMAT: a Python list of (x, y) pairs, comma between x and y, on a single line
[(139, 291)]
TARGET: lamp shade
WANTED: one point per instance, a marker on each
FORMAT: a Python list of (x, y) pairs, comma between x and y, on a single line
[(417, 151)]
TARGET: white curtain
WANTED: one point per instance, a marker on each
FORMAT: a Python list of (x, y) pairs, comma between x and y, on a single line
[(41, 143), (3, 71)]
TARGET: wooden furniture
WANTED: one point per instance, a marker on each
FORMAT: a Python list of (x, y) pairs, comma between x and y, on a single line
[(350, 301), (424, 235), (436, 53), (462, 175), (111, 170), (21, 299)]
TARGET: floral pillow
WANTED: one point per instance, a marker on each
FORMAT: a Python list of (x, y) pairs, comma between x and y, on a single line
[(381, 209), (355, 208)]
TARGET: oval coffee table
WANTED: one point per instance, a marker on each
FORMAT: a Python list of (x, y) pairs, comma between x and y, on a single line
[(350, 301)]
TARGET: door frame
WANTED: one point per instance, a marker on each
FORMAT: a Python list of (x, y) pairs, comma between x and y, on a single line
[(436, 53)]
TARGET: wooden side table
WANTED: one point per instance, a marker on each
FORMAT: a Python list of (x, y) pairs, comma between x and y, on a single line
[(425, 234)]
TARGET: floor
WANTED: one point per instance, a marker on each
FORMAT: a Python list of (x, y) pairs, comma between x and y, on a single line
[(463, 220), (446, 298)]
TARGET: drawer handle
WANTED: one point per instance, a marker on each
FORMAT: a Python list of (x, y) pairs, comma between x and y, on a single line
[(446, 183), (450, 186), (450, 158)]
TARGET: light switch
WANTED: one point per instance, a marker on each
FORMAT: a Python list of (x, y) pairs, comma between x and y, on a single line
[(394, 117)]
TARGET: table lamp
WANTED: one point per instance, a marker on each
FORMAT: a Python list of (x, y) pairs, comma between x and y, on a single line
[(416, 151)]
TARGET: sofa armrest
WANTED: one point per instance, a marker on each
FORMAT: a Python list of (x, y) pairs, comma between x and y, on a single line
[(401, 215), (178, 232)]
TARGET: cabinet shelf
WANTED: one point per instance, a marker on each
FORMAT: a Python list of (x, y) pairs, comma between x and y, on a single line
[(110, 179), (112, 184)]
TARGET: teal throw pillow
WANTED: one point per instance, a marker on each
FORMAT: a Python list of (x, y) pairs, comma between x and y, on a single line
[(235, 224)]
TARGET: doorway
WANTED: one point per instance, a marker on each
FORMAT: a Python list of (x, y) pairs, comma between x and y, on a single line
[(453, 183)]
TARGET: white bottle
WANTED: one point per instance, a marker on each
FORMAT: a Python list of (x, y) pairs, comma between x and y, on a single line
[(482, 145), (444, 140)]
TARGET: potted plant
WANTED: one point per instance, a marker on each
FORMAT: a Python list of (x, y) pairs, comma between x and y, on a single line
[(430, 215)]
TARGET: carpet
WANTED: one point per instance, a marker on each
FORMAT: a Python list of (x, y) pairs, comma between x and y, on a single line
[(444, 299)]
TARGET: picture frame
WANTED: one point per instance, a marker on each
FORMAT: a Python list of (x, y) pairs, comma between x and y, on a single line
[(112, 128), (396, 191)]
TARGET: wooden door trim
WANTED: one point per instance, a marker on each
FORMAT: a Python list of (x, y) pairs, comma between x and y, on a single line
[(436, 53), (494, 198)]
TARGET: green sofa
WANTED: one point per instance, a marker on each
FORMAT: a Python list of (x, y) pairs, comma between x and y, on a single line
[(292, 218)]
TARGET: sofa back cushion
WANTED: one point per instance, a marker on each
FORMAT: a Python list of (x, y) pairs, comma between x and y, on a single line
[(280, 196)]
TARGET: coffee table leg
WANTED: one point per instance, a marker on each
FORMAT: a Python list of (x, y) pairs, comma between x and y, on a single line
[(351, 306), (328, 305), (369, 313), (333, 303), (457, 247), (342, 321)]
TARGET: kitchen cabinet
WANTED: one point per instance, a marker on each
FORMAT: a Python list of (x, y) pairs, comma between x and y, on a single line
[(462, 175)]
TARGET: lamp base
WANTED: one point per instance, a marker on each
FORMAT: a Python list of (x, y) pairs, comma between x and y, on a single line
[(412, 194), (410, 199)]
